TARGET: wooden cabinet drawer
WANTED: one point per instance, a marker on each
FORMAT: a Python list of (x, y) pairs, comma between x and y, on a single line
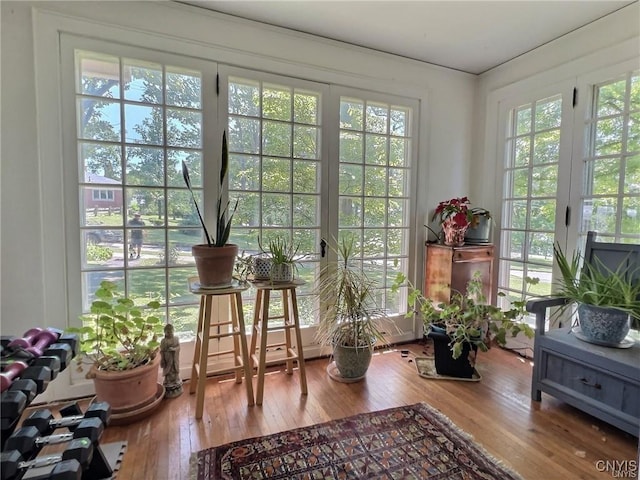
[(473, 255), (618, 393)]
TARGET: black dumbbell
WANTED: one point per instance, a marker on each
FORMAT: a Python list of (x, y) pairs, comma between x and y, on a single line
[(80, 450), (70, 339), (26, 386), (46, 423), (70, 410), (39, 374), (27, 440), (62, 351), (13, 404)]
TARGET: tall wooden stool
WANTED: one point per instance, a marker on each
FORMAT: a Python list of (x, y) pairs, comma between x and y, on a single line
[(234, 328), (261, 329)]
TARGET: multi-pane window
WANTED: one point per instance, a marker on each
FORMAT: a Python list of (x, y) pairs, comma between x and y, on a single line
[(610, 202), (136, 122), (101, 194), (529, 198), (375, 147), (275, 133)]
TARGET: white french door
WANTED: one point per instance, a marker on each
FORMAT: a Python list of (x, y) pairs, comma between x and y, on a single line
[(571, 164), (308, 161)]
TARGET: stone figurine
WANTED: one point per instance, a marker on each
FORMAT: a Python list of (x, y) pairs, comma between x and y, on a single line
[(170, 363)]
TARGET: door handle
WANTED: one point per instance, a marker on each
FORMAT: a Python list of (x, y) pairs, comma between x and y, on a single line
[(323, 248)]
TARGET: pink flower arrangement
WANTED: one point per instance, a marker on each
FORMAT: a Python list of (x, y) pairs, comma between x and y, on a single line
[(454, 212)]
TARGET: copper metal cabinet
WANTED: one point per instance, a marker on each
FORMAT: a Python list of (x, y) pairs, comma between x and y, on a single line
[(451, 268)]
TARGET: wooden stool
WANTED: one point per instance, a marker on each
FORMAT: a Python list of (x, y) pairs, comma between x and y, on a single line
[(237, 331), (261, 329)]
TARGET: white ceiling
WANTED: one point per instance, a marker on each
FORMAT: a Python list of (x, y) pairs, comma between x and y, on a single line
[(471, 36)]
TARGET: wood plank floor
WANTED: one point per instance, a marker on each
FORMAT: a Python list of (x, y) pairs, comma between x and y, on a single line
[(547, 440)]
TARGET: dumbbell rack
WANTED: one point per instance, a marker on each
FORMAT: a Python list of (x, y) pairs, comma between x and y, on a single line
[(31, 380)]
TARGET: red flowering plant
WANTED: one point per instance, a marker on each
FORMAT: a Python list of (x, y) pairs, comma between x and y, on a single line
[(454, 212)]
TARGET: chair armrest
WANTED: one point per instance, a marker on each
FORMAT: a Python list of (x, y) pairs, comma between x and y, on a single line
[(539, 306)]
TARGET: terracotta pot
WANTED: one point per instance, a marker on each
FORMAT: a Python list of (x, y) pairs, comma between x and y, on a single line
[(128, 389), (215, 264)]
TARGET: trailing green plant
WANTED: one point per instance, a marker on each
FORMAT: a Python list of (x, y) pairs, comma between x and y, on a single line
[(117, 335), (596, 284), (468, 318), (224, 216), (351, 316), (244, 267)]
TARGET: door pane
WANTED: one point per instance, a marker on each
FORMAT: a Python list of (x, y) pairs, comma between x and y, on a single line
[(131, 114), (611, 185), (375, 148), (274, 171), (529, 202)]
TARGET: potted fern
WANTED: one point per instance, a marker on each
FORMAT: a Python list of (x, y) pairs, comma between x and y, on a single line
[(119, 340), (215, 260)]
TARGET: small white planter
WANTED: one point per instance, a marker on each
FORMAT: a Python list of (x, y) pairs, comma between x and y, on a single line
[(262, 268), (282, 272)]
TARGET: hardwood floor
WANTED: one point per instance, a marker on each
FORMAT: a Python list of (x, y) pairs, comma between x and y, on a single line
[(547, 440)]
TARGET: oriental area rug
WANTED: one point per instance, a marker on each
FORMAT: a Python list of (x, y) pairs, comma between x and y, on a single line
[(409, 442)]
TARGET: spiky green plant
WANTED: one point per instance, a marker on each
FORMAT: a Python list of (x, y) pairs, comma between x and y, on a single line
[(351, 316), (596, 284), (224, 216)]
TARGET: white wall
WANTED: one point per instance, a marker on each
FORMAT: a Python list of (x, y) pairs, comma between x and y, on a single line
[(33, 248)]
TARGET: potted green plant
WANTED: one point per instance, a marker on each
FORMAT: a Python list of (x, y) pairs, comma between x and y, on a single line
[(606, 299), (215, 259), (120, 341), (464, 325), (350, 322), (283, 255)]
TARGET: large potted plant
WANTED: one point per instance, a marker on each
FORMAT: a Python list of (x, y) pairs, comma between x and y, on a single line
[(350, 322), (606, 299), (464, 325), (119, 340), (215, 259)]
